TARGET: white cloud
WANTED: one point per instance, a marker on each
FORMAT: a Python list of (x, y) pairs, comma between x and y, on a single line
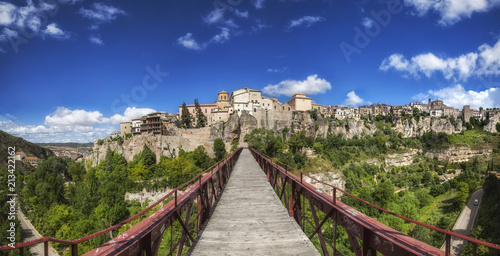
[(189, 42), (66, 117), (241, 14), (214, 16), (259, 25), (129, 114), (486, 61), (96, 40), (7, 13), (258, 4), (277, 70), (354, 100), (100, 13), (452, 11), (65, 125), (222, 37), (54, 31), (367, 22), (305, 21), (312, 85), (16, 19), (457, 97), (8, 33)]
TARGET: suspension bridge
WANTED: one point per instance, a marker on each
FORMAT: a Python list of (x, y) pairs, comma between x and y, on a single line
[(249, 205)]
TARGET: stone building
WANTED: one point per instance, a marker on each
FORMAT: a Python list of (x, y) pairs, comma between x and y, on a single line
[(206, 109), (300, 102), (365, 110), (125, 127)]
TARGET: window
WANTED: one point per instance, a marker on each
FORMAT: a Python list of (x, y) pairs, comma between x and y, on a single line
[(254, 110), (274, 107), (205, 111), (288, 108), (283, 108)]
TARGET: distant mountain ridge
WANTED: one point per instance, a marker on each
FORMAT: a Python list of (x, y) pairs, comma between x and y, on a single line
[(30, 149)]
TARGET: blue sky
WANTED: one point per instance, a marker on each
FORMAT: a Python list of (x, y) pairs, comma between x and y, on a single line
[(71, 70)]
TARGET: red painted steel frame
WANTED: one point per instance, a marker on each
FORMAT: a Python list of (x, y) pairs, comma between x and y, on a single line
[(145, 237), (376, 236)]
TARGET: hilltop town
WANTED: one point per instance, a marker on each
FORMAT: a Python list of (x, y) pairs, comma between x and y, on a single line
[(262, 107)]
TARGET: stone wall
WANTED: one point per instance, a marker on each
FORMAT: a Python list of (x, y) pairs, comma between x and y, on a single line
[(188, 140)]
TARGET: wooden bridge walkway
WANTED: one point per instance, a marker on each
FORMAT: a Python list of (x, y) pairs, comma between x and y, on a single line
[(250, 219)]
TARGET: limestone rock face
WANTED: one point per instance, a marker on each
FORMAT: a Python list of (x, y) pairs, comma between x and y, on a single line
[(302, 121), (353, 127), (491, 126), (187, 139), (236, 127), (412, 128), (217, 131), (400, 159), (333, 179), (247, 124), (322, 125), (459, 154), (232, 128)]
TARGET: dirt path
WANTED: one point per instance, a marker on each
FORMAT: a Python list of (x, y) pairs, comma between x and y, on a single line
[(465, 223)]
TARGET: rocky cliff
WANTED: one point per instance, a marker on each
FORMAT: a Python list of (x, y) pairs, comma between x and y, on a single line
[(412, 128), (236, 127), (458, 154), (187, 139)]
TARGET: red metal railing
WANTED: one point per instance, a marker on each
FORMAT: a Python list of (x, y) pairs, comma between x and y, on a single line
[(375, 236), (146, 236)]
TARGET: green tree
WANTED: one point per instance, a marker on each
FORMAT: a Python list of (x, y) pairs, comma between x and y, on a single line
[(416, 112), (234, 144), (297, 141), (148, 157), (383, 194), (318, 147), (498, 127), (76, 171), (137, 172), (201, 119), (265, 141), (219, 149), (462, 194), (186, 118)]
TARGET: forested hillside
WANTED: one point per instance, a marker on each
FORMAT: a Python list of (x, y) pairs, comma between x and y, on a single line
[(30, 149)]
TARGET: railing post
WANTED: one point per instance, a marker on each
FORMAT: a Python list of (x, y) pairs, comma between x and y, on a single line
[(474, 249), (335, 235), (291, 198), (448, 244), (146, 242), (334, 195), (21, 251), (176, 198), (74, 250), (46, 248)]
